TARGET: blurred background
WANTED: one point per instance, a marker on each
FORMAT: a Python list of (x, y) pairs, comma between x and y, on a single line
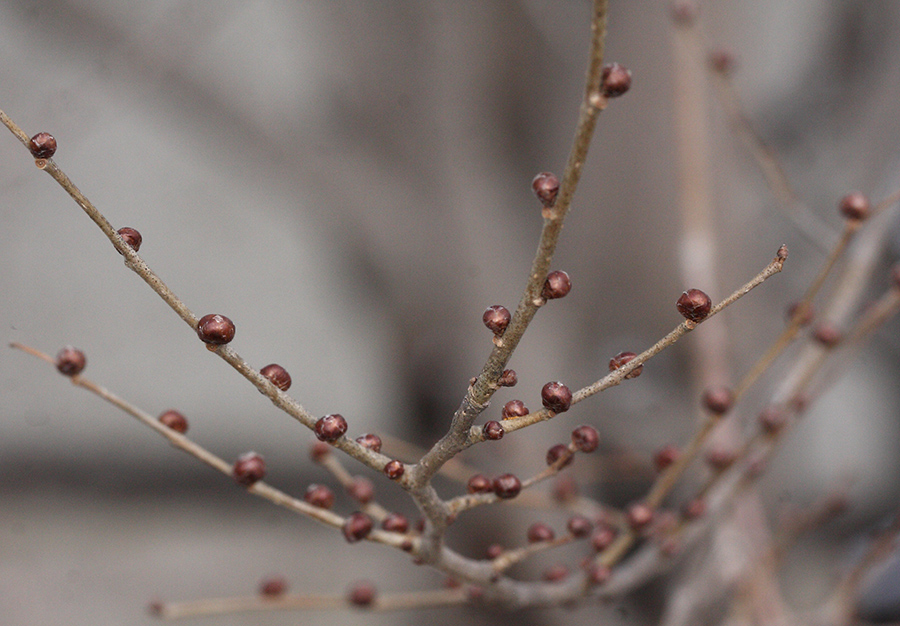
[(350, 183)]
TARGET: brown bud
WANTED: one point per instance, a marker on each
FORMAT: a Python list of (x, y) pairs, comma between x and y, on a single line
[(493, 430), (639, 515), (370, 442), (855, 206), (507, 486), (545, 186), (132, 237), (557, 285), (665, 456), (514, 408), (395, 523), (273, 587), (70, 361), (623, 358), (540, 531), (215, 329), (362, 594), (585, 439), (556, 397), (394, 469), (42, 146), (174, 420), (615, 80), (579, 526), (508, 378), (603, 537), (331, 427), (694, 305), (496, 318), (479, 483), (277, 375), (718, 400), (249, 468), (319, 496), (560, 451), (357, 526)]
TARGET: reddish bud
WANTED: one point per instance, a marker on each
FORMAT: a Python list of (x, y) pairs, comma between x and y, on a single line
[(639, 515), (694, 509), (479, 483), (546, 187), (273, 587), (585, 439), (557, 452), (249, 468), (394, 469), (508, 378), (579, 526), (496, 318), (694, 305), (540, 532), (615, 80), (665, 456), (720, 459), (722, 61), (598, 574), (42, 146), (174, 420), (556, 397), (514, 408), (370, 442), (556, 573), (493, 430), (361, 489), (132, 237), (718, 400), (215, 329), (772, 419), (507, 486), (803, 312), (319, 496), (70, 361), (362, 594), (277, 375), (565, 489), (684, 12), (356, 527), (318, 451), (827, 334), (395, 523), (493, 551), (603, 537), (622, 359), (855, 206), (331, 427), (557, 285)]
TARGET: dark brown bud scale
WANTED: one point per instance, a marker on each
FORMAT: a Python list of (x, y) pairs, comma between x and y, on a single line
[(546, 187), (479, 483), (215, 329), (319, 496), (615, 80), (70, 361), (174, 420), (496, 318), (557, 285), (394, 469), (507, 486), (855, 206), (514, 408), (508, 378), (331, 427), (249, 469), (132, 237), (622, 359), (493, 430), (370, 442), (694, 305), (42, 146), (560, 451), (556, 397), (540, 531), (585, 439), (277, 375), (356, 527)]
